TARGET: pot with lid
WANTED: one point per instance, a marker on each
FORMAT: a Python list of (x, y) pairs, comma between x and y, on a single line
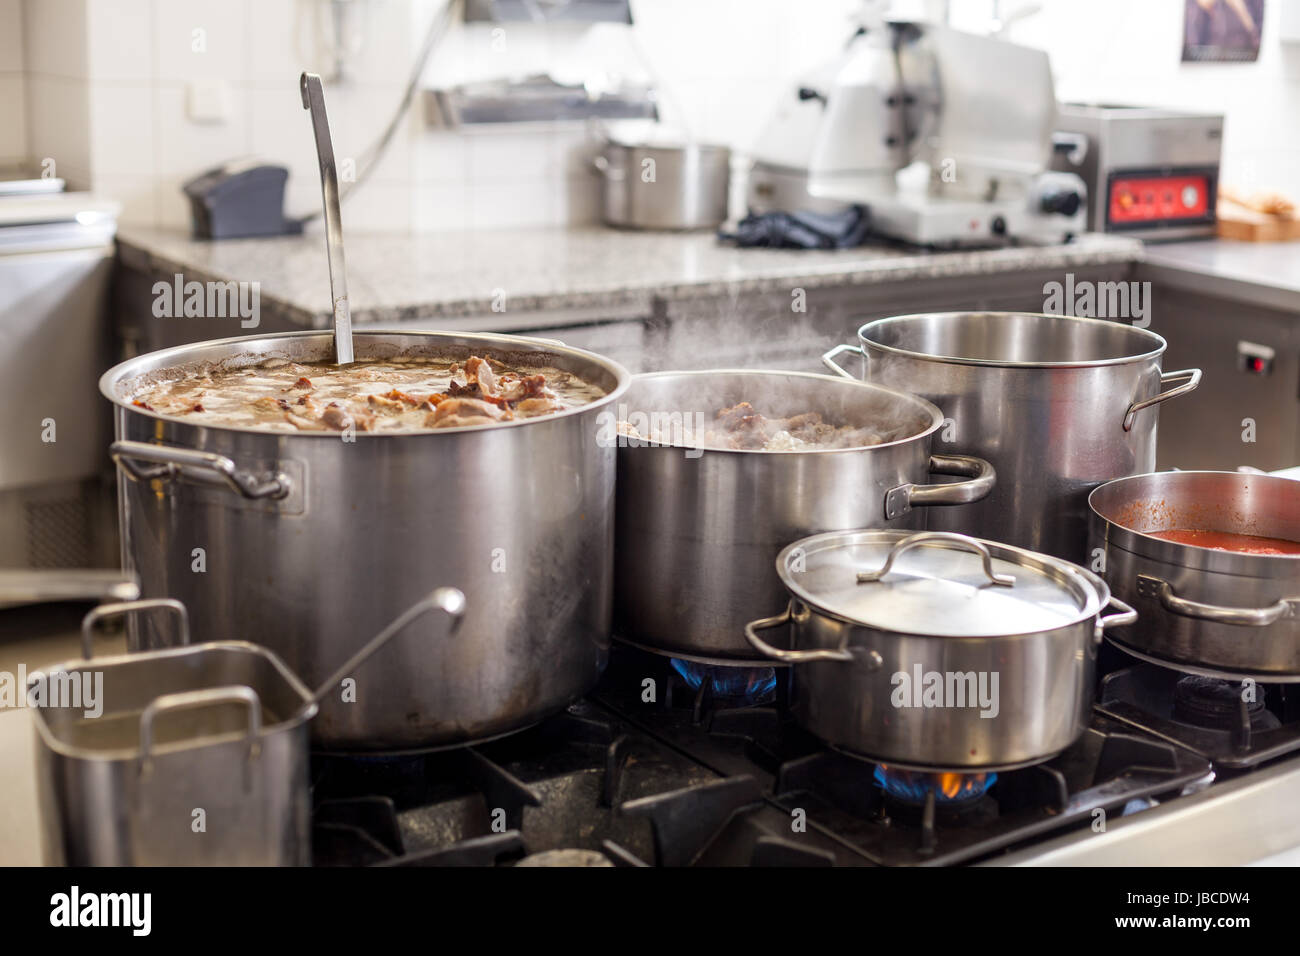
[(938, 651)]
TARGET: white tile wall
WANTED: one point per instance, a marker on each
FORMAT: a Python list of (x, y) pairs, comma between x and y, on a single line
[(13, 88), (101, 86), (58, 126), (1121, 51), (11, 36), (120, 41), (54, 37), (13, 118)]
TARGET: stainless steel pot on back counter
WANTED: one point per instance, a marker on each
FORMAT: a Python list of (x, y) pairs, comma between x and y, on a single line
[(1204, 610), (699, 530), (305, 542), (1058, 405), (664, 186)]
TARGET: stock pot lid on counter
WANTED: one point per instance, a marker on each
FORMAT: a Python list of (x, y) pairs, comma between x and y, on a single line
[(936, 583)]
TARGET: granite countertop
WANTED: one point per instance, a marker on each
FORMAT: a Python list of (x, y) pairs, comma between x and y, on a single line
[(395, 278), (1262, 273)]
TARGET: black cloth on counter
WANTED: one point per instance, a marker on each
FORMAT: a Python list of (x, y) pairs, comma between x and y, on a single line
[(802, 230)]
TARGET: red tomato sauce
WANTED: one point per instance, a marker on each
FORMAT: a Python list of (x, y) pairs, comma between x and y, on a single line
[(1228, 541)]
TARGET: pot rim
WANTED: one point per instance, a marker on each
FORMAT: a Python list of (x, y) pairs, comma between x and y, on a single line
[(679, 148), (1095, 588), (1189, 555), (501, 340), (936, 416), (121, 755), (866, 343)]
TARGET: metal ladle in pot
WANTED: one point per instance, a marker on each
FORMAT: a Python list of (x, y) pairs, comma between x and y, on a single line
[(313, 100), (448, 600)]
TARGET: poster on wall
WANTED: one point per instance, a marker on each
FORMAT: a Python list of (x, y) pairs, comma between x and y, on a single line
[(1221, 30)]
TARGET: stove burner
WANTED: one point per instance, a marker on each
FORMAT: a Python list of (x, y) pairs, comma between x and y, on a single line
[(566, 857), (912, 787), (1216, 704), (749, 684)]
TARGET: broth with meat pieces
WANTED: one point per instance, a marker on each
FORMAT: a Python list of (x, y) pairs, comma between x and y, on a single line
[(392, 395)]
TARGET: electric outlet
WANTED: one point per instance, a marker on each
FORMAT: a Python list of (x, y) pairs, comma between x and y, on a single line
[(208, 101)]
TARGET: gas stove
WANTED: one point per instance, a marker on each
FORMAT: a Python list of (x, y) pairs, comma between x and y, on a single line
[(677, 763)]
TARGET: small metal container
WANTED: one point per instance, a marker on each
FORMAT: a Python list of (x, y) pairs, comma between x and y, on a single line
[(199, 757), (937, 651), (185, 756)]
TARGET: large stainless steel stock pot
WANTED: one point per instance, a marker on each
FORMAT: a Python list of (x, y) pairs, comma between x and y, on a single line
[(938, 651), (306, 542), (1204, 610), (1058, 405), (699, 529)]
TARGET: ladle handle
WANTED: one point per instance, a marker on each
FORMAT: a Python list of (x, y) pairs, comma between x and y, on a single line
[(313, 100), (448, 600)]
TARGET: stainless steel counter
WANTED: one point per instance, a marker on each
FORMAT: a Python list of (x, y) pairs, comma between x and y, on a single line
[(1266, 274), (1249, 820)]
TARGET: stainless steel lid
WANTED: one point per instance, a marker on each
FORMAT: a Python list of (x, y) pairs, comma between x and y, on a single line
[(936, 583)]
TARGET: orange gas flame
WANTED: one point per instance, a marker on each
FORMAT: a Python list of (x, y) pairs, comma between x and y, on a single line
[(951, 786)]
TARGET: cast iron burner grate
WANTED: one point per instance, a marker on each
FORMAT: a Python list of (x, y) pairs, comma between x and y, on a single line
[(1216, 704), (652, 771), (1235, 724), (837, 794), (1105, 770), (581, 781)]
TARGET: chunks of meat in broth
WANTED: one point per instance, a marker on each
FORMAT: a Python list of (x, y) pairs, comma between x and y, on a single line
[(398, 394)]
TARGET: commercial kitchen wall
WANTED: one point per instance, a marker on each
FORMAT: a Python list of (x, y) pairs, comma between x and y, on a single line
[(13, 85), (108, 81), (1121, 51), (101, 86)]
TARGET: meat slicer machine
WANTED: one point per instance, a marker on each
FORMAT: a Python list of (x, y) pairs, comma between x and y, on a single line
[(978, 111)]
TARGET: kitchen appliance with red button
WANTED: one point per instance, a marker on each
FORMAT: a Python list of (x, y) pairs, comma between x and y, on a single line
[(1151, 173)]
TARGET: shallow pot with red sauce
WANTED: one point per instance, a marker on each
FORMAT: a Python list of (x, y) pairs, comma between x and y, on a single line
[(1191, 551)]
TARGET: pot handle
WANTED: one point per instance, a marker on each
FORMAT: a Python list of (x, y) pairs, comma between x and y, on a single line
[(1125, 617), (829, 360), (603, 166), (790, 657), (170, 462), (206, 697), (1193, 376), (123, 608), (66, 584), (925, 537), (903, 498), (1150, 586)]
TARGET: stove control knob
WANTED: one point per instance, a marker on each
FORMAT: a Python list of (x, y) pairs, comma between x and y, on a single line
[(1064, 201)]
